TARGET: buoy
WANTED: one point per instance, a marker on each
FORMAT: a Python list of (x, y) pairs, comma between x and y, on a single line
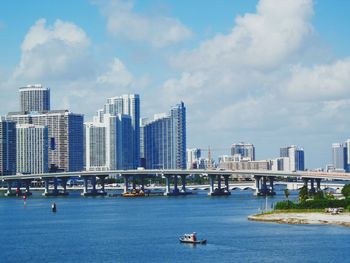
[(53, 207)]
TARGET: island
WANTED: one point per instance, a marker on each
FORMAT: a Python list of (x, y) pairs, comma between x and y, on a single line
[(311, 208)]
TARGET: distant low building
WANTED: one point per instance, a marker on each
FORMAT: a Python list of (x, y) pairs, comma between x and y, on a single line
[(246, 165), (296, 158), (193, 155), (246, 150)]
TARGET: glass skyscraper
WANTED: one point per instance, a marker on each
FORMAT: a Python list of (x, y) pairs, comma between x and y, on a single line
[(164, 140), (7, 147)]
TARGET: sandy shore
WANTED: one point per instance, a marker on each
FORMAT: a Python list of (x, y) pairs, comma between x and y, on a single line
[(342, 219)]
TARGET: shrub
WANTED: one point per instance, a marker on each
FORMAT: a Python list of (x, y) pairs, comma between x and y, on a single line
[(346, 190), (285, 205)]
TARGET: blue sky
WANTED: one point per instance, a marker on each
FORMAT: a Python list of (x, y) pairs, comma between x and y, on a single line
[(269, 72)]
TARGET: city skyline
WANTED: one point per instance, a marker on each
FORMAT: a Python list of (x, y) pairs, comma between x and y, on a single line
[(239, 81)]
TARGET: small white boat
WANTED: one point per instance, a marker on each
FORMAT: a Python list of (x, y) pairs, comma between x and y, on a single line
[(191, 239)]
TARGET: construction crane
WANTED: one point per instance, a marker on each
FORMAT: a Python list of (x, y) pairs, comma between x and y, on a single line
[(209, 150)]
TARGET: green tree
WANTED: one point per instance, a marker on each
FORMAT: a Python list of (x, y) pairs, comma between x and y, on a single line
[(330, 196), (346, 190), (303, 193), (319, 195), (286, 193)]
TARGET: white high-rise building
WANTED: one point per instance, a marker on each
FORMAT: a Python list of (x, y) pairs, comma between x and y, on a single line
[(95, 147), (32, 148), (35, 98), (127, 105), (65, 137), (114, 130)]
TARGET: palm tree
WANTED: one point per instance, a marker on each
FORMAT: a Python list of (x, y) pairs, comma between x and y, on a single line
[(286, 193)]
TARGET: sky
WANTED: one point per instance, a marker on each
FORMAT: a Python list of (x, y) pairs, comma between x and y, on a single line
[(268, 72)]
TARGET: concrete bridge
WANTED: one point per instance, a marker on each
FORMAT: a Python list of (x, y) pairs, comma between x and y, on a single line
[(218, 180)]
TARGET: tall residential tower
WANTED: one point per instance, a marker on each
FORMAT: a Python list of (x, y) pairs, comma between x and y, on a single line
[(164, 140), (7, 147), (34, 98)]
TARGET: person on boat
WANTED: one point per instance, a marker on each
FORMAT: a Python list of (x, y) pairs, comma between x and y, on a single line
[(194, 239)]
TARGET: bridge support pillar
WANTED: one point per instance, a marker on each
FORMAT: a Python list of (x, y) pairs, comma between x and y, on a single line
[(142, 183), (167, 185), (93, 184), (211, 182), (85, 189), (257, 184), (272, 190), (102, 182), (64, 185), (9, 188), (312, 190), (318, 184), (55, 184), (218, 191), (27, 184), (126, 184), (176, 189), (227, 187), (183, 181), (134, 183), (264, 185), (93, 191), (46, 187), (219, 182)]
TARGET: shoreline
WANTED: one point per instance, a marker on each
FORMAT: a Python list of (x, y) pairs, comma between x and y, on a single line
[(301, 218)]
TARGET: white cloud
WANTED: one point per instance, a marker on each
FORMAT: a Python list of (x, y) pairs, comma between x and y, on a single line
[(117, 75), (159, 31), (59, 56), (262, 40), (320, 82), (54, 52), (255, 82)]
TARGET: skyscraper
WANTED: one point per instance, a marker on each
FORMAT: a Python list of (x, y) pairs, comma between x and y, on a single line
[(339, 156), (34, 98), (164, 140), (95, 146), (347, 155), (32, 148), (112, 133), (246, 150), (65, 137), (128, 104), (296, 158), (7, 147)]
